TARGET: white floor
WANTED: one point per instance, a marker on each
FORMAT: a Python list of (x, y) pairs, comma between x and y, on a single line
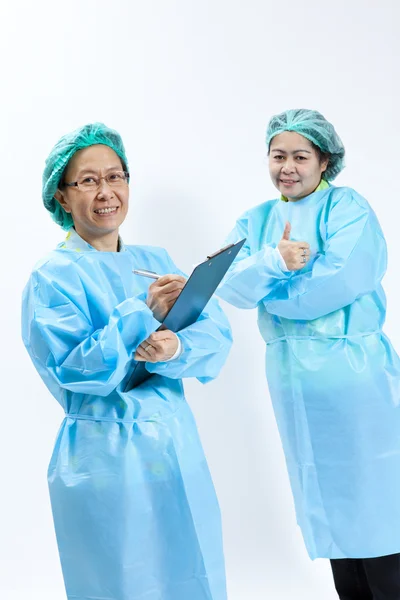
[(314, 584)]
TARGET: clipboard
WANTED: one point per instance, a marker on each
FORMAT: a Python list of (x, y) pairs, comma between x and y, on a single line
[(192, 300)]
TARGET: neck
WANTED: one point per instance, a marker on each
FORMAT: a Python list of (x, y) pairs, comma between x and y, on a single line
[(305, 195), (108, 242)]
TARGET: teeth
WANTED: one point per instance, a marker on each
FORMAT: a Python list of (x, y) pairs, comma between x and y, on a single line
[(103, 211)]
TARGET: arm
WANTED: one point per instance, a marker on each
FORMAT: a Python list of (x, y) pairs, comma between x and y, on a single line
[(251, 276), (353, 264), (61, 340), (205, 345)]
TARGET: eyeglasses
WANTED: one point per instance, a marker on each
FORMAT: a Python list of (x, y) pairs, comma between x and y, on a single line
[(90, 183)]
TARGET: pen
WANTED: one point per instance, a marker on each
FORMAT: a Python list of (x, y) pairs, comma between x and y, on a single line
[(145, 273)]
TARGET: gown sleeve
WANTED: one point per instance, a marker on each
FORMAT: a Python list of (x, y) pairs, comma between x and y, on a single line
[(205, 344), (63, 343), (352, 264), (252, 276)]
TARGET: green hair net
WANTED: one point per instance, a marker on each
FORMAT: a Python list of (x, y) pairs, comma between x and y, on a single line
[(313, 126), (61, 154)]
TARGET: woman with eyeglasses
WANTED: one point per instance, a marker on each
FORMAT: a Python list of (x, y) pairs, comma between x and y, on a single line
[(312, 266), (134, 508)]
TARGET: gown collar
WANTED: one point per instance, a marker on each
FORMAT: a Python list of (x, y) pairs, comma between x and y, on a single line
[(73, 241), (322, 186)]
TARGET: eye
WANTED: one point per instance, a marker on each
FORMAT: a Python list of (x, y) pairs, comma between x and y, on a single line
[(300, 158), (278, 157), (88, 180), (114, 176)]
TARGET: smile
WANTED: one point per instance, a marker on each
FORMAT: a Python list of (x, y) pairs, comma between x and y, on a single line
[(106, 211)]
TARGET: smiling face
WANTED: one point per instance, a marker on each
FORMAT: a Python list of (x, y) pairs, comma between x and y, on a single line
[(294, 165), (96, 213)]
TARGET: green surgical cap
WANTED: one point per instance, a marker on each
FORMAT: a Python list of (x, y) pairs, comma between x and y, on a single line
[(313, 126), (61, 154)]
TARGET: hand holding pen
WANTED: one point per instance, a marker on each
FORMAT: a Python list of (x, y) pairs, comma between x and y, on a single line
[(163, 293)]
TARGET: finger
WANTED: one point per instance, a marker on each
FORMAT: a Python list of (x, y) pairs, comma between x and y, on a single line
[(156, 353), (170, 278), (150, 351), (164, 306), (166, 299), (153, 342), (171, 299), (168, 288), (140, 354), (303, 245), (139, 358), (159, 343), (163, 293), (164, 351), (158, 336), (286, 231), (146, 350), (159, 354)]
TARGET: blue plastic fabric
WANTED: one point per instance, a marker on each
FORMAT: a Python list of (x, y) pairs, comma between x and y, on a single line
[(333, 376), (134, 507)]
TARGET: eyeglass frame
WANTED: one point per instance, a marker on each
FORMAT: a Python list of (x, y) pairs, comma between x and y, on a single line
[(76, 183)]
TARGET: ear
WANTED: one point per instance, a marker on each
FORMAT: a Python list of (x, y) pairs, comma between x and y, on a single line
[(59, 196), (324, 165)]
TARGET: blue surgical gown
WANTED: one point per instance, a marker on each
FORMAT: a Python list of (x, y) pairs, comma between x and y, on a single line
[(333, 376), (134, 507)]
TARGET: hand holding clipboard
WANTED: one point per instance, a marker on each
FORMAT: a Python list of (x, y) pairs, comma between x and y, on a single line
[(192, 300)]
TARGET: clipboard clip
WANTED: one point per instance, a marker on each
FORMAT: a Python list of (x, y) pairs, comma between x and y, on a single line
[(220, 251)]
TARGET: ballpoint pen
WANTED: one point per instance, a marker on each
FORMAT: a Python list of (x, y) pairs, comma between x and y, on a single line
[(145, 273)]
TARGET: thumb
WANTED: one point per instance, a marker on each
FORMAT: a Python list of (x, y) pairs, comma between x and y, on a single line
[(158, 336), (286, 231)]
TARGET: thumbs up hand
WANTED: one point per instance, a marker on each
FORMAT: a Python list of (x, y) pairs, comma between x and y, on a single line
[(295, 254)]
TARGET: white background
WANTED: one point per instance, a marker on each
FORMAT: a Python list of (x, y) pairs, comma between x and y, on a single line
[(190, 86)]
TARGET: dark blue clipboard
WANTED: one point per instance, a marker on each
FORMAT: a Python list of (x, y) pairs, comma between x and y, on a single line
[(192, 300)]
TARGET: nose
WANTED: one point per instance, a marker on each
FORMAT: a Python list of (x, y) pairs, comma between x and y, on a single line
[(105, 191), (289, 166)]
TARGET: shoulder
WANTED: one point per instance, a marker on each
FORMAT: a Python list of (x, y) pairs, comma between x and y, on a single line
[(346, 207), (347, 197), (261, 210), (57, 259), (256, 215), (55, 267)]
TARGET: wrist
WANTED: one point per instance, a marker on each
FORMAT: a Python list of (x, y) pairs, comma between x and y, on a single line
[(281, 260), (178, 350)]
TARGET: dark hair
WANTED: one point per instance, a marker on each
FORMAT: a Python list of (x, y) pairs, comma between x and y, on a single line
[(61, 183), (321, 155)]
